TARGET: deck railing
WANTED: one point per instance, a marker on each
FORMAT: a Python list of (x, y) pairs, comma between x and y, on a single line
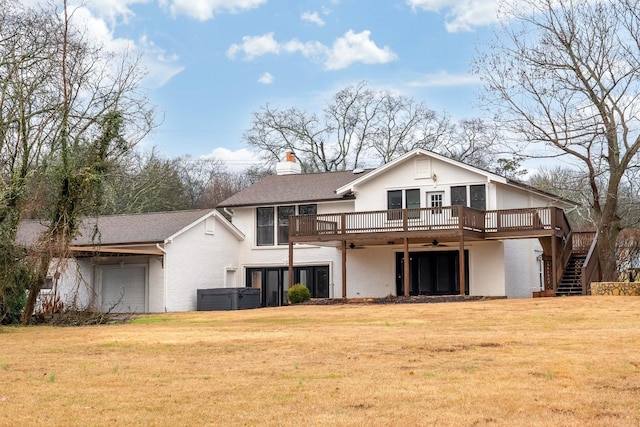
[(582, 241), (440, 218), (519, 219)]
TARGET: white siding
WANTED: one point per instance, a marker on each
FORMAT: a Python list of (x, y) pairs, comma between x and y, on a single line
[(156, 284), (486, 269), (75, 285), (250, 255), (370, 272), (514, 198), (197, 260), (372, 194), (521, 269)]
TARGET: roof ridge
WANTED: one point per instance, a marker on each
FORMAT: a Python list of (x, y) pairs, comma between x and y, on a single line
[(150, 213)]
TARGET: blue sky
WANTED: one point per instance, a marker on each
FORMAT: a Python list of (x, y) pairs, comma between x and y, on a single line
[(212, 63)]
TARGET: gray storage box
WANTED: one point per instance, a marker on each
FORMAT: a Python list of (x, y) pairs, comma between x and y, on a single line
[(228, 299)]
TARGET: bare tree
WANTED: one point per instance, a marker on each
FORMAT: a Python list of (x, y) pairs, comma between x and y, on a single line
[(359, 122), (569, 184), (564, 76), (197, 175), (68, 110)]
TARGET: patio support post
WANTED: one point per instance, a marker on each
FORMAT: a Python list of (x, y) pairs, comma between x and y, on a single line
[(344, 269), (290, 263), (554, 261), (463, 276), (406, 267)]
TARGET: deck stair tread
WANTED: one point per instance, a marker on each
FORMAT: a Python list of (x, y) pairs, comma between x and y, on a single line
[(571, 284)]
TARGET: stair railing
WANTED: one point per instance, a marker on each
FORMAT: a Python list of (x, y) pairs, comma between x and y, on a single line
[(562, 224), (591, 267)]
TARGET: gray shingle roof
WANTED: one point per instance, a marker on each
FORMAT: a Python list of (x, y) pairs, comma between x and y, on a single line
[(296, 188), (119, 229)]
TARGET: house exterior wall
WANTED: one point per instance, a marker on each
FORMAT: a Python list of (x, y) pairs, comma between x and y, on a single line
[(513, 198), (521, 269), (371, 272), (372, 194), (486, 269), (197, 260), (155, 274), (250, 255), (74, 285), (334, 207)]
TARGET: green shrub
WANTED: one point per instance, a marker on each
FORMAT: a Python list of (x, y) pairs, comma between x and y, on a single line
[(17, 280), (298, 293), (12, 306)]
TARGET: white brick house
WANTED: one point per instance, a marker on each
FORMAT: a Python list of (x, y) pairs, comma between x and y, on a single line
[(342, 234)]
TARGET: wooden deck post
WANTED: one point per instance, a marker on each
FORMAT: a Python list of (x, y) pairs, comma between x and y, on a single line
[(406, 267), (344, 269), (554, 260), (290, 263), (461, 261)]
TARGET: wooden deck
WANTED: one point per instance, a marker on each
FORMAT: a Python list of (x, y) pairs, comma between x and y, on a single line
[(453, 224), (427, 223)]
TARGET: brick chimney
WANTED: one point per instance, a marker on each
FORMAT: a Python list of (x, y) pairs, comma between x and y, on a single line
[(290, 166)]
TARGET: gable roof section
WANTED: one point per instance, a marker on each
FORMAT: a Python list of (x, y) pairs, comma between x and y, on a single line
[(157, 227), (296, 188), (350, 187), (137, 228)]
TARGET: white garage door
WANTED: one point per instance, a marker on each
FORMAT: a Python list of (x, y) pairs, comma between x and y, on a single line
[(124, 287)]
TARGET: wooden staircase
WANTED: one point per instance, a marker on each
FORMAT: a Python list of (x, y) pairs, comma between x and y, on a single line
[(571, 282)]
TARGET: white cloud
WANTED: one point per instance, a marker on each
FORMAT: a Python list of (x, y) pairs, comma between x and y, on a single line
[(204, 10), (253, 47), (444, 79), (346, 50), (307, 49), (357, 47), (112, 10), (266, 79), (237, 160), (312, 17), (461, 15), (159, 65)]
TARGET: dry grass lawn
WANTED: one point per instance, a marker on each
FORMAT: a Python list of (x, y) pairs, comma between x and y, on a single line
[(537, 362)]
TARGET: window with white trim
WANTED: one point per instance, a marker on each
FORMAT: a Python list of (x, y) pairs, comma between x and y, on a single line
[(409, 199), (264, 226), (284, 212), (272, 223), (435, 200)]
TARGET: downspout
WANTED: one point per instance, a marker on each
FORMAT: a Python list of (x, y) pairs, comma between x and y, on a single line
[(164, 275)]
